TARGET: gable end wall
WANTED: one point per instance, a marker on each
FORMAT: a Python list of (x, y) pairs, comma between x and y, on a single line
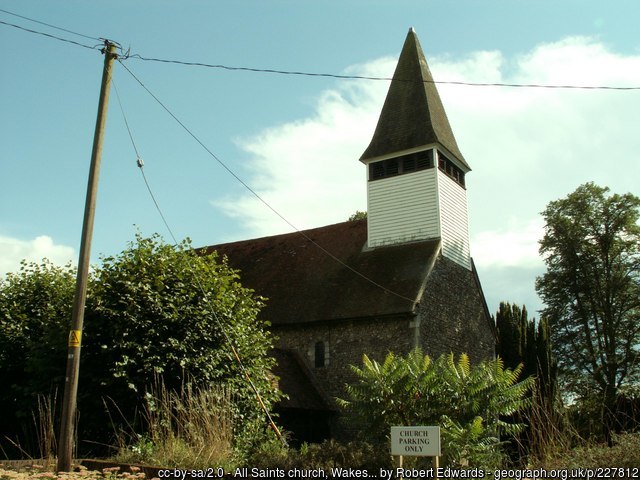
[(453, 315)]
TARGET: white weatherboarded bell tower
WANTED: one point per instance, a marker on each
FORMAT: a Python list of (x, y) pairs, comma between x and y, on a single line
[(416, 173)]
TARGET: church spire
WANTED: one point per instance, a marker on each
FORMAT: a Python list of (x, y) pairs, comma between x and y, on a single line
[(416, 187), (412, 115)]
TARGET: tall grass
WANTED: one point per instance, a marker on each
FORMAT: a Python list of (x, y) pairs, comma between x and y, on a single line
[(44, 423), (624, 453), (40, 441), (549, 430), (190, 428)]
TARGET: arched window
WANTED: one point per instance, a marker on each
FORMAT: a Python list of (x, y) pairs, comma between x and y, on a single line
[(319, 355)]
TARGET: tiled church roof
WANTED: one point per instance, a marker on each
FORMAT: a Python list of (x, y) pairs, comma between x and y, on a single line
[(412, 115), (303, 284)]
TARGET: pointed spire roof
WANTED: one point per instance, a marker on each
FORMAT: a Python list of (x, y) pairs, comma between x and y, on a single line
[(412, 114)]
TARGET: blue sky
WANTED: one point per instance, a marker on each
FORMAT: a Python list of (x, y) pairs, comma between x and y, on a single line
[(296, 140)]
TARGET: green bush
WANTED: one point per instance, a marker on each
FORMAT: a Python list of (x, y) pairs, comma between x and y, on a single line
[(163, 310), (35, 313), (154, 309), (470, 404)]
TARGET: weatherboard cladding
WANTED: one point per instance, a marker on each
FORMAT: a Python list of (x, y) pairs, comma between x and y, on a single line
[(304, 284), (454, 221), (403, 208), (412, 115)]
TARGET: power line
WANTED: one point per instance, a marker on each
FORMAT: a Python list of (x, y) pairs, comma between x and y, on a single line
[(49, 25), (196, 278), (231, 172), (95, 47), (140, 164), (374, 78), (259, 197), (301, 73)]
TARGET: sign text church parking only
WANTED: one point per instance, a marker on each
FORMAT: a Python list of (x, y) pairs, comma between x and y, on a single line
[(415, 441)]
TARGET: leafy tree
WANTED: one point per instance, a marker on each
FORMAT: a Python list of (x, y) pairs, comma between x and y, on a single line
[(470, 404), (154, 312), (157, 310), (35, 311), (358, 215), (591, 292)]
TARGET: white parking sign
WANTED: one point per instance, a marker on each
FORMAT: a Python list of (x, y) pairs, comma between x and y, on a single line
[(415, 441)]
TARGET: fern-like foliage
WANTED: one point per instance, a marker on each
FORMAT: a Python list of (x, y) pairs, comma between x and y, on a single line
[(469, 402)]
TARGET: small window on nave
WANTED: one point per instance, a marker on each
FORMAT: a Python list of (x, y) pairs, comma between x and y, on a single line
[(320, 355)]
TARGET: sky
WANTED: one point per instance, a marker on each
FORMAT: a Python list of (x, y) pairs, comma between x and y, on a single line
[(295, 140)]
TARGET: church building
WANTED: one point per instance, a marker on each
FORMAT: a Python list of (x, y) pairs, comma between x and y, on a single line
[(399, 279)]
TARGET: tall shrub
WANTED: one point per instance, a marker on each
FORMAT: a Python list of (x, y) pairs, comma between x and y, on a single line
[(161, 310), (154, 310), (35, 311), (469, 403)]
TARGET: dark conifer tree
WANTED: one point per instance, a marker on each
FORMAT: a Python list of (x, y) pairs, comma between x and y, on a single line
[(524, 341)]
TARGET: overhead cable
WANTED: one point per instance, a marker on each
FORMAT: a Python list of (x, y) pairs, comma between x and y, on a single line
[(49, 25), (260, 198), (127, 55), (387, 79), (205, 296), (140, 164), (95, 47)]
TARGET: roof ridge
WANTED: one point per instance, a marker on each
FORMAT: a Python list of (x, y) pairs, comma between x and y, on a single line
[(283, 235)]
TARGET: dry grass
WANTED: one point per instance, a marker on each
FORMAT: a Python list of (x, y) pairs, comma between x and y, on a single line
[(549, 431), (192, 428), (44, 436), (552, 442), (44, 425), (625, 453)]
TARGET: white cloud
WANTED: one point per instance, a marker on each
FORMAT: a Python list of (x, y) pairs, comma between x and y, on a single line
[(309, 170), (13, 250), (508, 263), (516, 244), (513, 284), (527, 146)]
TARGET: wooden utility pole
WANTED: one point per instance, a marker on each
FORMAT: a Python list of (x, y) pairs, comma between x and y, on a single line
[(65, 441)]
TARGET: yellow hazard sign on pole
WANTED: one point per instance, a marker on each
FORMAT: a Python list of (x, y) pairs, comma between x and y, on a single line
[(74, 338)]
